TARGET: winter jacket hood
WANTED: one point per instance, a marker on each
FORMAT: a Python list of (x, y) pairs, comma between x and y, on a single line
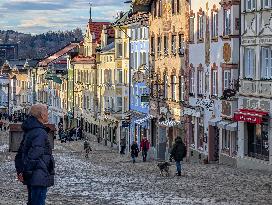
[(31, 123)]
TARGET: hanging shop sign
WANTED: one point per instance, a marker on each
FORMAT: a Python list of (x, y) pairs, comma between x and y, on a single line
[(145, 98)]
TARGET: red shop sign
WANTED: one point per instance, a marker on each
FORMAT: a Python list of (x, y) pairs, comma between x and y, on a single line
[(251, 116)]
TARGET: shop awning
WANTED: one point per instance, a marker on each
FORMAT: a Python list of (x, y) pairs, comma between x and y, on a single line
[(169, 123), (214, 122), (232, 127), (142, 120), (222, 124), (249, 115)]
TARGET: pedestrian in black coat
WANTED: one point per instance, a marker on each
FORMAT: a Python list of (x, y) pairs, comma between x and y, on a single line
[(178, 153), (134, 151), (34, 161)]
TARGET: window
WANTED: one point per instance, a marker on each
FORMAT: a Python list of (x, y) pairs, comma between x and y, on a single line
[(119, 76), (165, 45), (125, 49), (155, 9), (214, 82), (249, 62), (119, 50), (181, 44), (191, 35), (192, 82), (250, 4), (136, 60), (227, 79), (152, 44), (136, 90), (174, 43), (144, 58), (200, 27), (173, 6), (214, 24), (200, 136), (178, 6), (173, 87), (226, 140), (181, 88), (266, 63), (160, 8), (227, 22), (200, 82), (266, 3), (118, 33), (165, 86), (119, 104), (159, 45)]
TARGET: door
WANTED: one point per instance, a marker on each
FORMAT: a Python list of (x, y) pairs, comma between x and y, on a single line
[(162, 143), (213, 143)]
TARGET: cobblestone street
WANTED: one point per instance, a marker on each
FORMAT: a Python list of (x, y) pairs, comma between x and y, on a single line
[(107, 178)]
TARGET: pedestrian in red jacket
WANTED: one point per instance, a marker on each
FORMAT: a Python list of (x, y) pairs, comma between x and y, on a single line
[(144, 148)]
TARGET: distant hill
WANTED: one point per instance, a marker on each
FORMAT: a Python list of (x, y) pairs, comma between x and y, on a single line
[(41, 45)]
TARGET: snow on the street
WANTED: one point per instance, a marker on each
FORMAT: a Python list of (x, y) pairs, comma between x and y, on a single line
[(108, 178)]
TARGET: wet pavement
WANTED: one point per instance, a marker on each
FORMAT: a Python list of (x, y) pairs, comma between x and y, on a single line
[(108, 178)]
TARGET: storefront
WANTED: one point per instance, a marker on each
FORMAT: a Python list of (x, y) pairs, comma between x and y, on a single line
[(256, 133)]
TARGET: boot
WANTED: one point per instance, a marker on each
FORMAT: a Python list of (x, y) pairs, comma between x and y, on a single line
[(179, 174)]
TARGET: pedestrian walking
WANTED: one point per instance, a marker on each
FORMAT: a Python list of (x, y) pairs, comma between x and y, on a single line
[(178, 153), (123, 145), (134, 151), (1, 125), (34, 161), (144, 148), (87, 148)]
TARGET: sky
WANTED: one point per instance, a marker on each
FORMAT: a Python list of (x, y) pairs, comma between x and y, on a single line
[(39, 16)]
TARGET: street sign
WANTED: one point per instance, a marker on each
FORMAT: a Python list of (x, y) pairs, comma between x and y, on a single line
[(145, 98)]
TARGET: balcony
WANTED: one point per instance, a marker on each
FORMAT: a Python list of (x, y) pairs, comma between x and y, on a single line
[(228, 108), (256, 88)]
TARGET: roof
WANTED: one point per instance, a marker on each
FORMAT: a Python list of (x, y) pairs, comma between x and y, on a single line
[(130, 18), (58, 54), (121, 20), (83, 59), (109, 47), (141, 2), (96, 29)]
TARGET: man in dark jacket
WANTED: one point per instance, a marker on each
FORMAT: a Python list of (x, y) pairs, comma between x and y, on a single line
[(178, 153), (34, 161)]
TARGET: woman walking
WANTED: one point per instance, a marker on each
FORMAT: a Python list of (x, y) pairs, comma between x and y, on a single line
[(134, 151)]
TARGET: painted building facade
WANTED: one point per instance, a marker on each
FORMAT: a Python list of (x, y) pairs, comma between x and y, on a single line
[(212, 75), (108, 123), (121, 107), (167, 35), (254, 114), (139, 71)]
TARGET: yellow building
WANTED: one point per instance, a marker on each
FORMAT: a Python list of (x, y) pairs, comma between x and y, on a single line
[(84, 66), (106, 65), (121, 73)]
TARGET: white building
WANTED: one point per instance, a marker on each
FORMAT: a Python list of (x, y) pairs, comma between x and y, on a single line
[(213, 73), (255, 111)]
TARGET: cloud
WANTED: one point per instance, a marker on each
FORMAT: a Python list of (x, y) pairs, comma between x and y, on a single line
[(38, 16)]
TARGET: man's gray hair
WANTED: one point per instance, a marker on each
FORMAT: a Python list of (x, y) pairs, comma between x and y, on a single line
[(37, 110)]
